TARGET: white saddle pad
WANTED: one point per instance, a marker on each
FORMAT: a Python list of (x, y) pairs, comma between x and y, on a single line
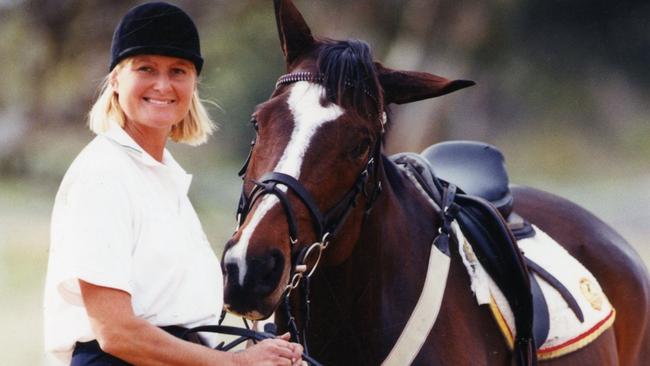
[(566, 333)]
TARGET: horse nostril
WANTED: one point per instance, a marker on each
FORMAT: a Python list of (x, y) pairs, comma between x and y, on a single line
[(265, 272), (271, 266), (231, 270)]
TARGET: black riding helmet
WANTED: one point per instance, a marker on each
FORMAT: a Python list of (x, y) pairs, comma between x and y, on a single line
[(156, 28)]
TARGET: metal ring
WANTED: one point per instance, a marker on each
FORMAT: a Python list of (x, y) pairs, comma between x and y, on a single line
[(325, 242), (309, 251), (295, 281), (238, 222), (325, 237)]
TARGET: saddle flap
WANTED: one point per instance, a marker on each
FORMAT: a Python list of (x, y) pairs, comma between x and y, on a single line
[(496, 249)]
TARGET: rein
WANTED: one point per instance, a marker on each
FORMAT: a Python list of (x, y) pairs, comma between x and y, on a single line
[(244, 334), (326, 225)]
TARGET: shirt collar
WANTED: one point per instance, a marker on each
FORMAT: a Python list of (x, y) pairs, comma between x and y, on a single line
[(117, 134)]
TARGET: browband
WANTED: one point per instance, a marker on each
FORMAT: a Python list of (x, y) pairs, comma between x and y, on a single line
[(313, 78), (299, 76)]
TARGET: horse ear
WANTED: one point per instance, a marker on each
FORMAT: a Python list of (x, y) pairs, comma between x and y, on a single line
[(295, 35), (410, 86)]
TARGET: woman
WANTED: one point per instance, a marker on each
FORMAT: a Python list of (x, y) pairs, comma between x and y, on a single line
[(130, 267)]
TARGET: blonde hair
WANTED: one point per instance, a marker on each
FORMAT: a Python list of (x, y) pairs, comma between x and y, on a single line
[(193, 130)]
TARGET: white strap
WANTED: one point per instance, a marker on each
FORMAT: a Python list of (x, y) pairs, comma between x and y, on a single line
[(425, 313)]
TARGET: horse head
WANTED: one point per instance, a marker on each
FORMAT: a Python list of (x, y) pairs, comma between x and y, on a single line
[(314, 169)]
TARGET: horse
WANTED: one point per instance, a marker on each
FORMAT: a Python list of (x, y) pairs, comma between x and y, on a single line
[(323, 211)]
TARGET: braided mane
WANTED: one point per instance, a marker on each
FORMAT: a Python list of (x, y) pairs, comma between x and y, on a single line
[(350, 76)]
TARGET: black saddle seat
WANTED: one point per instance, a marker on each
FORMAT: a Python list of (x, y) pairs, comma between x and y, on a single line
[(475, 167)]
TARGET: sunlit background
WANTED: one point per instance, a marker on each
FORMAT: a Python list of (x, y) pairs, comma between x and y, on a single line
[(562, 89)]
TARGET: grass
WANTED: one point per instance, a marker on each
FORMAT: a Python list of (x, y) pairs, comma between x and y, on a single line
[(23, 257)]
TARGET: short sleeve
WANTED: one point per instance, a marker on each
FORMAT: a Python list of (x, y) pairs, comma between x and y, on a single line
[(92, 236)]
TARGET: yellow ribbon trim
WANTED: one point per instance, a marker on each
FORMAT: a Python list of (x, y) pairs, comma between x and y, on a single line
[(554, 353)]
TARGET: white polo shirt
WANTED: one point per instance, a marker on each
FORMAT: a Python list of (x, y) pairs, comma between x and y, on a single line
[(123, 220)]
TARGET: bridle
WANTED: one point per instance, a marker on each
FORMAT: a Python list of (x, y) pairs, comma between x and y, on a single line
[(326, 225)]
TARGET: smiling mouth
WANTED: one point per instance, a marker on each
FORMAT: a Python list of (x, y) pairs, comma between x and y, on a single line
[(159, 101)]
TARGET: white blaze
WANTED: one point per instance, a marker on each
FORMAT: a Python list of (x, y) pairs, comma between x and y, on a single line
[(308, 115)]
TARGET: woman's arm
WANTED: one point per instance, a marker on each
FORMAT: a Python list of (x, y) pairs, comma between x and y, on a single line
[(123, 335)]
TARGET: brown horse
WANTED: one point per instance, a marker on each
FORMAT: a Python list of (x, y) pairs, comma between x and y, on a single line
[(316, 175)]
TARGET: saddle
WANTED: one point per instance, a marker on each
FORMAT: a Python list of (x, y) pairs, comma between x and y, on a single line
[(479, 170), (468, 180)]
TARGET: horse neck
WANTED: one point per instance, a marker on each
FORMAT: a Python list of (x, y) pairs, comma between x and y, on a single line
[(366, 295), (400, 228)]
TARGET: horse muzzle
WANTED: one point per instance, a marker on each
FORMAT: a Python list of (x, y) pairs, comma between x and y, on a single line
[(253, 286)]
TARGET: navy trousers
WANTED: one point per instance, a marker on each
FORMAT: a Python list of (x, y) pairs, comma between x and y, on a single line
[(90, 354)]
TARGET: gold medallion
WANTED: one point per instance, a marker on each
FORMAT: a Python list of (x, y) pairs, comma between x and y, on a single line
[(591, 293)]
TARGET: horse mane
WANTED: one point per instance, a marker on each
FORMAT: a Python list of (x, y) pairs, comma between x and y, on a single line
[(350, 77)]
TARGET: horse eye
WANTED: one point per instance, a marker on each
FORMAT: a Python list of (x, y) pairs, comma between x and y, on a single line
[(255, 124)]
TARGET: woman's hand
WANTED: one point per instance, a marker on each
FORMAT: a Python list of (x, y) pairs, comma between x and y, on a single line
[(122, 334), (271, 352)]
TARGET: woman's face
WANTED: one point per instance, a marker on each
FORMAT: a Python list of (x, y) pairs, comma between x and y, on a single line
[(155, 91)]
